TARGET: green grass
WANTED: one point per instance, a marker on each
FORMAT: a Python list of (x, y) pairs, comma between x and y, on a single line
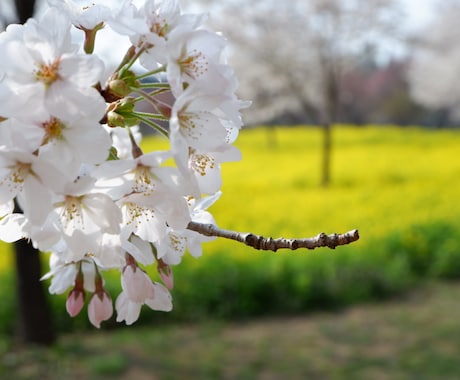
[(398, 186), (415, 337)]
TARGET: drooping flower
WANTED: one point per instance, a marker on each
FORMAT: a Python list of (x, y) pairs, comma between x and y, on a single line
[(136, 283), (128, 310), (87, 16), (63, 274), (138, 289)]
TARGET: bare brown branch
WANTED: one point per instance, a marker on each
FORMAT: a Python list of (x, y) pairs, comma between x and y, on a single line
[(270, 244)]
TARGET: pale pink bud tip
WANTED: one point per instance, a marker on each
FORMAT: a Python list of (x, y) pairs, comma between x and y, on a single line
[(167, 276), (100, 308), (75, 302)]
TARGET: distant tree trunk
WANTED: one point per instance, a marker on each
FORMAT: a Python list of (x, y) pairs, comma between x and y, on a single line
[(35, 324), (331, 103), (326, 158), (271, 136)]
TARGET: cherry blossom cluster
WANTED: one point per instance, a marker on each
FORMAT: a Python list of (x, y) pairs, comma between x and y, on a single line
[(73, 178)]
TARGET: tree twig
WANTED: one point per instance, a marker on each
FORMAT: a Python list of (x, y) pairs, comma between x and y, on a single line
[(270, 244)]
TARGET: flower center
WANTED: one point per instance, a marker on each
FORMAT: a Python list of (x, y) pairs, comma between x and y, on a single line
[(177, 243), (160, 27), (16, 177), (48, 73), (21, 171), (136, 214), (201, 163), (53, 130), (71, 214), (194, 65), (143, 180), (191, 123)]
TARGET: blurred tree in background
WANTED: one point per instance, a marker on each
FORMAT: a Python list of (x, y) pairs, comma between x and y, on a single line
[(291, 57), (34, 316), (434, 69)]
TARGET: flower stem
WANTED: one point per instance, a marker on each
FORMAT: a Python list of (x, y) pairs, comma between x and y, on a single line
[(155, 126)]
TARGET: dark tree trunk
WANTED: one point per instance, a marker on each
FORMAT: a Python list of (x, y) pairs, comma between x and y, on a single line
[(24, 9), (34, 321)]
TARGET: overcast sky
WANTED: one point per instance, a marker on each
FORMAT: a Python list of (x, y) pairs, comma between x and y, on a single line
[(418, 12)]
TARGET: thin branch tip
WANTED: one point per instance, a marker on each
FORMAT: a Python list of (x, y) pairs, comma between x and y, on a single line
[(269, 244)]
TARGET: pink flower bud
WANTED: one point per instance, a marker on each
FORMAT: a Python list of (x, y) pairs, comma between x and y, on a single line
[(75, 301), (100, 308), (166, 274)]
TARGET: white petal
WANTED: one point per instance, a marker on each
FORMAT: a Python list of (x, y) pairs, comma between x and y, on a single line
[(6, 208), (162, 300), (127, 310), (103, 212), (12, 228)]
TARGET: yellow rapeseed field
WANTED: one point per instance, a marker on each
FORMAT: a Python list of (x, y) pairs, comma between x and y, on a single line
[(383, 179)]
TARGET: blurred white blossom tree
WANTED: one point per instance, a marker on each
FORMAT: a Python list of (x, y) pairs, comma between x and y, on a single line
[(290, 55), (433, 73)]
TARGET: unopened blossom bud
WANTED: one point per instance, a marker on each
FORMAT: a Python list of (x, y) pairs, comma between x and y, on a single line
[(166, 274), (119, 88), (100, 308), (164, 109), (75, 301), (121, 113), (115, 119)]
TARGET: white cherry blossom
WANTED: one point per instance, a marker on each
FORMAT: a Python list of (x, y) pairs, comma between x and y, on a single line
[(205, 166), (84, 16), (191, 55), (129, 311), (174, 244), (42, 69), (70, 152)]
